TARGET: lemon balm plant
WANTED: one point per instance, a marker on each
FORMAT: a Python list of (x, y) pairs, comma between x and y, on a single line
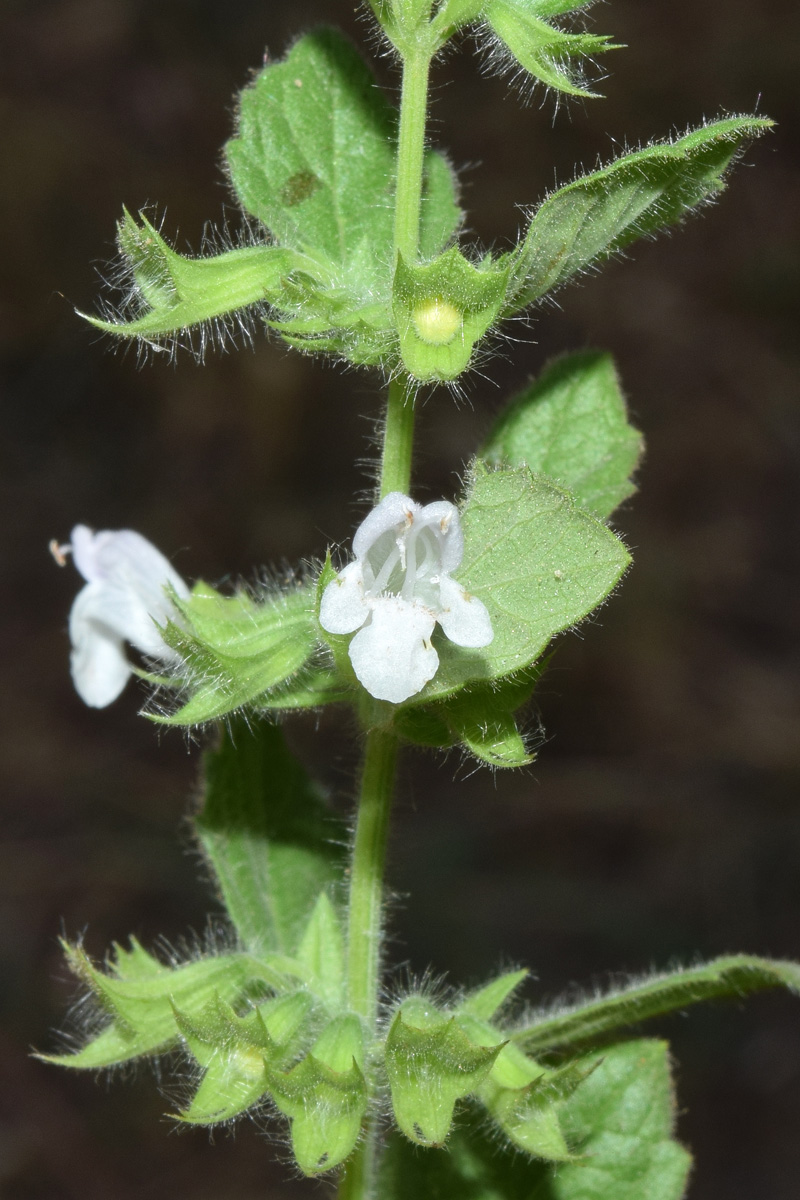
[(433, 630)]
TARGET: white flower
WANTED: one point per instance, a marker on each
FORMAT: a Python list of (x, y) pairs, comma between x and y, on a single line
[(124, 600), (396, 590)]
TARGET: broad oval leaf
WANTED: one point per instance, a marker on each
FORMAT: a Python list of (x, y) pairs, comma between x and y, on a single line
[(571, 424), (537, 561), (313, 160)]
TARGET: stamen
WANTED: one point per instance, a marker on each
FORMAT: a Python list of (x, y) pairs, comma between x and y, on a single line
[(411, 567), (382, 578), (58, 552)]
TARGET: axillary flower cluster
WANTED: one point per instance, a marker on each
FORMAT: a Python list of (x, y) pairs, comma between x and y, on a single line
[(394, 593), (397, 589)]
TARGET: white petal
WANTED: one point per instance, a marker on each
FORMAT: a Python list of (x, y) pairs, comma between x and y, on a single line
[(127, 560), (123, 613), (99, 667), (393, 511), (343, 607), (442, 517), (392, 655), (463, 617)]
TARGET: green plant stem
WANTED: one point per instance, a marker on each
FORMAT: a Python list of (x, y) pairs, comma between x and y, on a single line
[(398, 437), (411, 152), (365, 910), (364, 925), (357, 1173), (366, 872)]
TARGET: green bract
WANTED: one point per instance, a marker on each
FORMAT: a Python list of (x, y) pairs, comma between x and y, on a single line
[(237, 651), (549, 54)]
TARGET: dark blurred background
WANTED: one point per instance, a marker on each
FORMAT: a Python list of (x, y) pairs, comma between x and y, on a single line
[(662, 821)]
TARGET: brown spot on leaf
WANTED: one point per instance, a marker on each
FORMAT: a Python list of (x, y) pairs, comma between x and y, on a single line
[(298, 188)]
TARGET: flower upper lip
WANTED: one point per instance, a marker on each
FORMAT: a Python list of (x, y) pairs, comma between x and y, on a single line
[(396, 590)]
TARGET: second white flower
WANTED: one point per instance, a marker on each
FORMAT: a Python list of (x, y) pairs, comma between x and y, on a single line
[(397, 589)]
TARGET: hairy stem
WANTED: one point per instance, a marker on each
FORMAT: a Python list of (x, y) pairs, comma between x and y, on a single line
[(398, 439), (366, 873), (364, 926), (365, 912), (411, 153), (356, 1179)]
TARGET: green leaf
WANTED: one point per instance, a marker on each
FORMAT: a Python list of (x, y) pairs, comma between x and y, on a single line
[(237, 650), (325, 1097), (312, 155), (487, 1000), (598, 215), (139, 994), (313, 160), (551, 55), (571, 424), (234, 1051), (583, 1024), (442, 309), (440, 214), (176, 293), (620, 1118), (537, 561), (321, 951), (481, 718), (267, 834), (431, 1063)]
